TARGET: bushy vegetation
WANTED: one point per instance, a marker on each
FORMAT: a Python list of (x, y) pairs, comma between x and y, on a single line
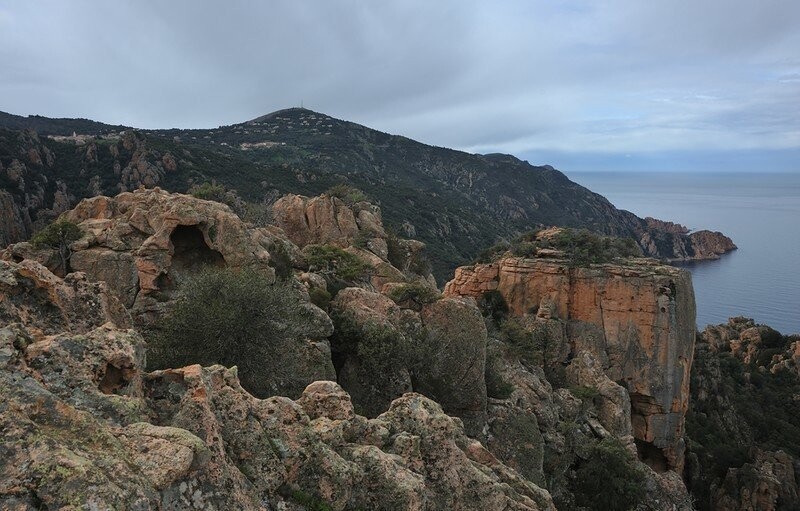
[(584, 393), (414, 294), (59, 235), (764, 405), (529, 345), (218, 193), (228, 317), (335, 262), (579, 246), (608, 479), (379, 347), (349, 194), (496, 386), (320, 297), (493, 306)]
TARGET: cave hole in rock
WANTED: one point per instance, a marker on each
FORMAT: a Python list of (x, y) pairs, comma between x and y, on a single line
[(114, 379), (190, 249), (651, 456), (190, 254)]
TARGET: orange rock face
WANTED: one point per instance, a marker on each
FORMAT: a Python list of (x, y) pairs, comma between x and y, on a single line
[(637, 319)]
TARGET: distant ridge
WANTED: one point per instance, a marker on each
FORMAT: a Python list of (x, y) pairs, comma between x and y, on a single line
[(456, 202)]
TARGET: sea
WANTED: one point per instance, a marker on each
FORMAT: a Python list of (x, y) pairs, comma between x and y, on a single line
[(759, 211)]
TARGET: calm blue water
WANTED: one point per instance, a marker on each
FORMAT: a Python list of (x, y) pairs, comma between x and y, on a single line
[(760, 212)]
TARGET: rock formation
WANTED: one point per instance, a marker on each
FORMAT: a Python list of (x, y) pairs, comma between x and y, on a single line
[(674, 242), (84, 427), (769, 483), (742, 419), (327, 220), (637, 320), (143, 243)]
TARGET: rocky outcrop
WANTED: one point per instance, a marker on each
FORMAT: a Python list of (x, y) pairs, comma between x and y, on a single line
[(674, 242), (758, 345), (637, 320), (31, 294), (545, 432), (320, 220), (741, 423), (358, 228), (85, 427), (769, 483), (710, 244), (144, 243)]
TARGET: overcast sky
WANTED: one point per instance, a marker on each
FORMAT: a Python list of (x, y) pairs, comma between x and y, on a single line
[(583, 85)]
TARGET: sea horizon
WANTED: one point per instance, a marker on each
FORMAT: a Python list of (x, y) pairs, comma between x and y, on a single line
[(759, 211)]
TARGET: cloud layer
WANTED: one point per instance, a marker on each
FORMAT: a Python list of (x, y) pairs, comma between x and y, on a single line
[(528, 77)]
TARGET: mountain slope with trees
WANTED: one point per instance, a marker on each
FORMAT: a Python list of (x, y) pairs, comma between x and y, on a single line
[(458, 203)]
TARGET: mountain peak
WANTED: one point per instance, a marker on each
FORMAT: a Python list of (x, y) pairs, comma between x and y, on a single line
[(291, 111)]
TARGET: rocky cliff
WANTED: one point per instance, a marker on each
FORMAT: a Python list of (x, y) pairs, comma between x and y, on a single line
[(637, 319), (477, 418)]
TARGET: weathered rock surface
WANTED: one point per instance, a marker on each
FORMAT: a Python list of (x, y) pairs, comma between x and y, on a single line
[(84, 427), (31, 294), (769, 483), (637, 320), (143, 243), (327, 220)]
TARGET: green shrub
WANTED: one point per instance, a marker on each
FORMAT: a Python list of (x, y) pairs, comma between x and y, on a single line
[(218, 193), (580, 247), (493, 253), (208, 191), (609, 480), (583, 247), (59, 235), (280, 260), (415, 293), (227, 317), (493, 305), (320, 297), (396, 254), (496, 386), (378, 347), (528, 345), (333, 261), (362, 238), (584, 393), (310, 502), (349, 194)]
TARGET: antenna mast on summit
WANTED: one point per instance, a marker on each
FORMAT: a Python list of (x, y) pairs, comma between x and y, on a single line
[(301, 103)]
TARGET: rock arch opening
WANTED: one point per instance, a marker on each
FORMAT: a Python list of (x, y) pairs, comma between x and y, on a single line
[(651, 456), (115, 379), (190, 250)]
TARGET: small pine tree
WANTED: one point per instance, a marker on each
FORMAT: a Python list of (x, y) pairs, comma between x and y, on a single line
[(59, 235)]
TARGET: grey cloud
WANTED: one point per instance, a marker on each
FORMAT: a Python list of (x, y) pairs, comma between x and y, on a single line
[(604, 76)]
